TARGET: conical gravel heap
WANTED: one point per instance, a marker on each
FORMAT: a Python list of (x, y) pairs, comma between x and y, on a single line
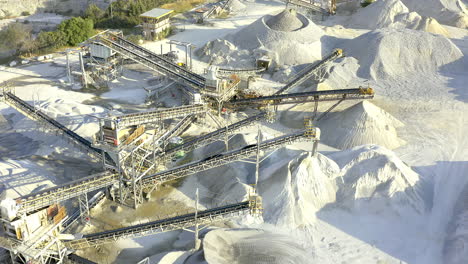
[(285, 21)]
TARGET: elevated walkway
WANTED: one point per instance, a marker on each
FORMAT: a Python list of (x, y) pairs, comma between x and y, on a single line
[(164, 225), (310, 70), (210, 137), (150, 60), (304, 97), (141, 118), (35, 114)]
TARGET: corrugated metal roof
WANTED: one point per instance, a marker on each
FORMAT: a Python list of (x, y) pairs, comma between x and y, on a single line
[(157, 13)]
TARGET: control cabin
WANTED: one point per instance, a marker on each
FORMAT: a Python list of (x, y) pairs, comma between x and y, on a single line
[(156, 21)]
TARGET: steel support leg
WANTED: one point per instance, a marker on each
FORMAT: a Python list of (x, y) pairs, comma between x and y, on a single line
[(84, 207), (331, 108)]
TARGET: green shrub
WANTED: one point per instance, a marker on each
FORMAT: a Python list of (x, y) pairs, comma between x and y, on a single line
[(17, 36), (49, 41), (76, 30), (94, 13), (25, 13), (365, 3)]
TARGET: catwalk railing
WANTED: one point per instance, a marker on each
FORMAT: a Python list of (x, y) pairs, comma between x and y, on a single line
[(314, 96), (150, 59), (219, 159), (41, 199), (210, 137), (140, 118), (159, 226), (36, 114), (310, 70)]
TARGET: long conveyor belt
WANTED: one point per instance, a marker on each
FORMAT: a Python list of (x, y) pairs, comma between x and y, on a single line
[(314, 96), (240, 71), (307, 72), (41, 199), (219, 160), (151, 60), (36, 114), (159, 226), (79, 187), (211, 137), (158, 115)]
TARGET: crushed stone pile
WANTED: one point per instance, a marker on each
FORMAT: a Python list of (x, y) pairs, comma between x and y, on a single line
[(285, 21), (449, 12), (395, 53), (363, 123), (236, 246), (394, 14), (292, 39), (74, 116), (236, 5), (373, 177)]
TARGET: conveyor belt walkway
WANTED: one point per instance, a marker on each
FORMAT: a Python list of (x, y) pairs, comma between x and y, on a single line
[(159, 226), (151, 60), (136, 119), (76, 188), (36, 114), (210, 137), (295, 98), (307, 72)]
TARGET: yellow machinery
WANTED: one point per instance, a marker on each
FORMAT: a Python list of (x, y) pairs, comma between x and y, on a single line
[(367, 90)]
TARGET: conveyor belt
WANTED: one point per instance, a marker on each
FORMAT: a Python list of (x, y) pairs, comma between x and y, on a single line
[(307, 72), (315, 96), (31, 112), (210, 137), (136, 119), (159, 226), (41, 199), (76, 188), (219, 160), (151, 60), (240, 71)]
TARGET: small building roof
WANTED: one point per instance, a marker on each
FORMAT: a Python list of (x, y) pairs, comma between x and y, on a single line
[(157, 13)]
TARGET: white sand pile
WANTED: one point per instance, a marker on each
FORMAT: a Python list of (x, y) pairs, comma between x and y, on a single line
[(449, 12), (236, 6), (21, 177), (228, 246), (286, 38), (373, 177), (380, 14), (363, 123), (295, 191), (341, 74), (396, 53), (75, 116), (394, 14)]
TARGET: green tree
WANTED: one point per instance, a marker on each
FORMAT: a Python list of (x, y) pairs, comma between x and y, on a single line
[(17, 36), (50, 40), (94, 13), (76, 30)]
